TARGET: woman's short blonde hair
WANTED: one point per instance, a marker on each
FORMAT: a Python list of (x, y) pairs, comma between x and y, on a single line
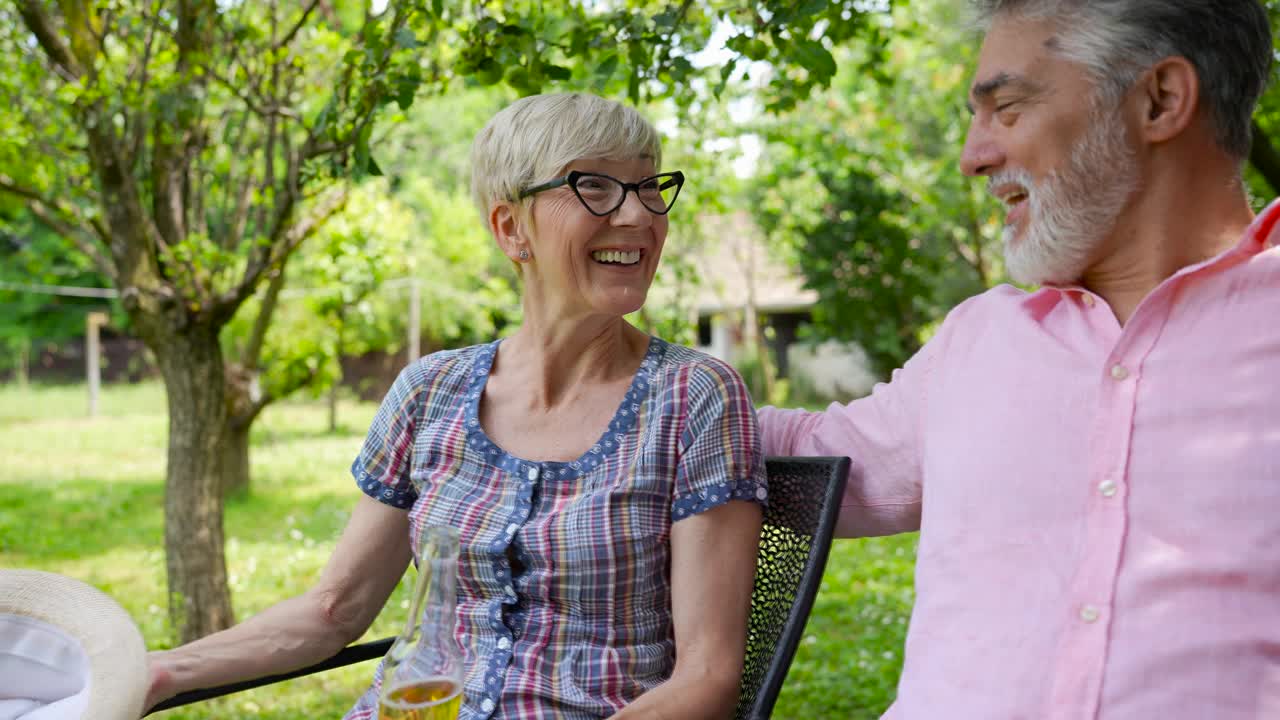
[(533, 139)]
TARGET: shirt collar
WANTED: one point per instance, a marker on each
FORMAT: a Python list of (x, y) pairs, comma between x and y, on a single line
[(1263, 232)]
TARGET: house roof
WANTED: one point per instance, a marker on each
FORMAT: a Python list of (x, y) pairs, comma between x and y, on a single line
[(731, 259)]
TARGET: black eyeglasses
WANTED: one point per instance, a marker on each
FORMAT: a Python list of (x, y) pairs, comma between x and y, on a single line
[(601, 194)]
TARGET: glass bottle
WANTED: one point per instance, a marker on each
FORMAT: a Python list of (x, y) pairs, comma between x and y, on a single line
[(422, 673)]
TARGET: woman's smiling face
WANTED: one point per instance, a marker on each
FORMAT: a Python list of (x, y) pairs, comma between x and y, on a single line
[(588, 263)]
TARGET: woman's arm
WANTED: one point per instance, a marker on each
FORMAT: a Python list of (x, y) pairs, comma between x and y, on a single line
[(365, 566), (713, 565)]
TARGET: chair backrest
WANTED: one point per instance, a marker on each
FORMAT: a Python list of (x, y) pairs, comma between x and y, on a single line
[(804, 501)]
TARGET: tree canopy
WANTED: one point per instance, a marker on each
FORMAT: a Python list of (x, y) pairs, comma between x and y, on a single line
[(189, 149), (249, 176)]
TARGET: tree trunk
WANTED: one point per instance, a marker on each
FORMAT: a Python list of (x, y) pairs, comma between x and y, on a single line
[(244, 404), (333, 407), (337, 358), (235, 460), (191, 364)]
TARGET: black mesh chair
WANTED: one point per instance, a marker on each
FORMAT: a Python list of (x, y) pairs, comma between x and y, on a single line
[(804, 500)]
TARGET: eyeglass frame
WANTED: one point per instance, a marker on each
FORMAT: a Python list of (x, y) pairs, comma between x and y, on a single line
[(574, 176)]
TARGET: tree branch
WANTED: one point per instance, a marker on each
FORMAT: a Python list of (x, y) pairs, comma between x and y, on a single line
[(12, 187), (288, 37), (257, 336), (284, 240), (41, 26), (175, 146), (288, 389), (69, 213), (266, 111), (139, 129), (75, 235)]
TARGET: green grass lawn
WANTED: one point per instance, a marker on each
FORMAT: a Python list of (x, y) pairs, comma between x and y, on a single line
[(84, 496)]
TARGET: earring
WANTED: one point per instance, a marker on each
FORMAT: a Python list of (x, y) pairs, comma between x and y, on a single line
[(524, 254)]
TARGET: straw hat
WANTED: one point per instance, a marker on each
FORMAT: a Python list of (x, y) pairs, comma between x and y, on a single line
[(67, 651)]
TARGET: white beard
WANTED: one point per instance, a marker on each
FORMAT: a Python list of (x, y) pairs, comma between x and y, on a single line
[(1072, 209)]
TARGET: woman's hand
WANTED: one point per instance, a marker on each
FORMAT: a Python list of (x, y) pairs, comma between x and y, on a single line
[(160, 681)]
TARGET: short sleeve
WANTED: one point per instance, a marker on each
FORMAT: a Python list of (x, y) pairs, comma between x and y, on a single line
[(720, 457), (381, 469)]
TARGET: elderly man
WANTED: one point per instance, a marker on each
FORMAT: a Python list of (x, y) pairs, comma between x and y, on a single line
[(1094, 467)]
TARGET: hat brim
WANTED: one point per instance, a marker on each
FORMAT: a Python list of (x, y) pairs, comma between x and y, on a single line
[(116, 653)]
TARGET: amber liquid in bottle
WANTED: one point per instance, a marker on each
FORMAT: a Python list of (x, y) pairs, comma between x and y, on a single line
[(429, 699)]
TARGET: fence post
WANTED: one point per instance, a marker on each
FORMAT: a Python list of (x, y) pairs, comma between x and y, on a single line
[(415, 320), (23, 370), (92, 357)]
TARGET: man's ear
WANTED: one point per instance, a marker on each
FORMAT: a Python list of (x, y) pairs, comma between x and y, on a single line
[(504, 223), (1168, 96)]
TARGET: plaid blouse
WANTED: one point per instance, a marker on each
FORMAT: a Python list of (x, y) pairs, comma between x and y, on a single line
[(564, 589)]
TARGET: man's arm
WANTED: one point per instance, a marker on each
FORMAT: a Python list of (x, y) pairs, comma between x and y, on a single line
[(365, 566), (881, 434)]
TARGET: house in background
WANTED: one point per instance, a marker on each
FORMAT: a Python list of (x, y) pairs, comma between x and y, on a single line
[(740, 281)]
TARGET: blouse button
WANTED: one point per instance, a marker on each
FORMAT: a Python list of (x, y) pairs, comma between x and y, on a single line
[(533, 473)]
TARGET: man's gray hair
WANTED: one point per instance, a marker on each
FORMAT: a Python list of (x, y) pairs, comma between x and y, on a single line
[(1228, 42)]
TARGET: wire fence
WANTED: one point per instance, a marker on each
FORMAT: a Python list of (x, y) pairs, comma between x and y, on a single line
[(89, 350)]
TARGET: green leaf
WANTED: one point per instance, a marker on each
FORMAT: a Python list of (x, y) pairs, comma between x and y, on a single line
[(405, 38), (557, 72), (816, 59), (406, 90), (488, 71), (809, 8), (605, 70), (362, 160), (518, 78), (666, 20), (725, 73)]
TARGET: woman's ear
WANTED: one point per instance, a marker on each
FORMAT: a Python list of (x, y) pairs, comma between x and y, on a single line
[(504, 223), (1169, 98)]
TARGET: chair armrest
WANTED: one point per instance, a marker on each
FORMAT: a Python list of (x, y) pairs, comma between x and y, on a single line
[(347, 656)]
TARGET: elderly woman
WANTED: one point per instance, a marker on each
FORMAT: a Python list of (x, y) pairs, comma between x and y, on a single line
[(606, 484)]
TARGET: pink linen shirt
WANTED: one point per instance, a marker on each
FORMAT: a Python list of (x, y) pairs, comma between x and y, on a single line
[(1098, 506)]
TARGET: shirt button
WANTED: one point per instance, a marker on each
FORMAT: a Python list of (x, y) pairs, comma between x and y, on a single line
[(1089, 613), (1107, 488), (533, 473), (487, 705), (1119, 372)]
